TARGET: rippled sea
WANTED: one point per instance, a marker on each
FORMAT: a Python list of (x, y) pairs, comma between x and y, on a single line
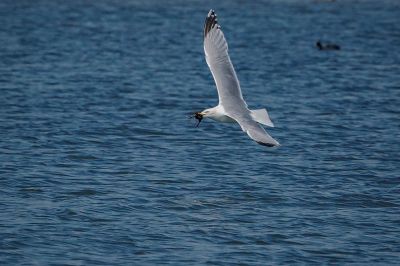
[(100, 165)]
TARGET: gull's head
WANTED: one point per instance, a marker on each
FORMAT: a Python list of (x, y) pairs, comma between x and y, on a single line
[(206, 112), (200, 115)]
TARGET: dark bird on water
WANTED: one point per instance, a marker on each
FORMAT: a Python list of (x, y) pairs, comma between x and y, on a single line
[(327, 46)]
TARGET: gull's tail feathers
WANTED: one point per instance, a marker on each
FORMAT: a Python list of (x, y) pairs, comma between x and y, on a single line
[(261, 116)]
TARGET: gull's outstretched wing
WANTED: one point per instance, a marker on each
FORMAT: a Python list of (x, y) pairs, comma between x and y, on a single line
[(256, 131), (216, 51)]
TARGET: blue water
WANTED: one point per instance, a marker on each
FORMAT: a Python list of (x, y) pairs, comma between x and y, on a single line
[(101, 166)]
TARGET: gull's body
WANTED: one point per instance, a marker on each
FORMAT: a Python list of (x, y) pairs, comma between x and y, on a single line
[(217, 113), (231, 107)]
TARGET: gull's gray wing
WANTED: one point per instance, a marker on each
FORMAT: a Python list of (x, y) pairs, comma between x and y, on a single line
[(255, 131), (216, 51)]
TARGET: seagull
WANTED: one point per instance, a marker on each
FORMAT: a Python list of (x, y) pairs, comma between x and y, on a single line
[(231, 108)]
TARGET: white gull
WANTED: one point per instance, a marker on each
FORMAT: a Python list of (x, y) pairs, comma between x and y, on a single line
[(232, 107)]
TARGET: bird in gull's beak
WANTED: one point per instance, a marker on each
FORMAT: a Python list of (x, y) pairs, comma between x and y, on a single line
[(199, 117)]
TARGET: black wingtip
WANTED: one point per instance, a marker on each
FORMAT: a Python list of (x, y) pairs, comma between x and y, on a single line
[(268, 144), (210, 22)]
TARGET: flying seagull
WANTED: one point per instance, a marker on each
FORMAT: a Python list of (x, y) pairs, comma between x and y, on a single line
[(232, 107)]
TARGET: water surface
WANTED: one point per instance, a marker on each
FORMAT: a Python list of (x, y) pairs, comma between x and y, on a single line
[(100, 165)]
